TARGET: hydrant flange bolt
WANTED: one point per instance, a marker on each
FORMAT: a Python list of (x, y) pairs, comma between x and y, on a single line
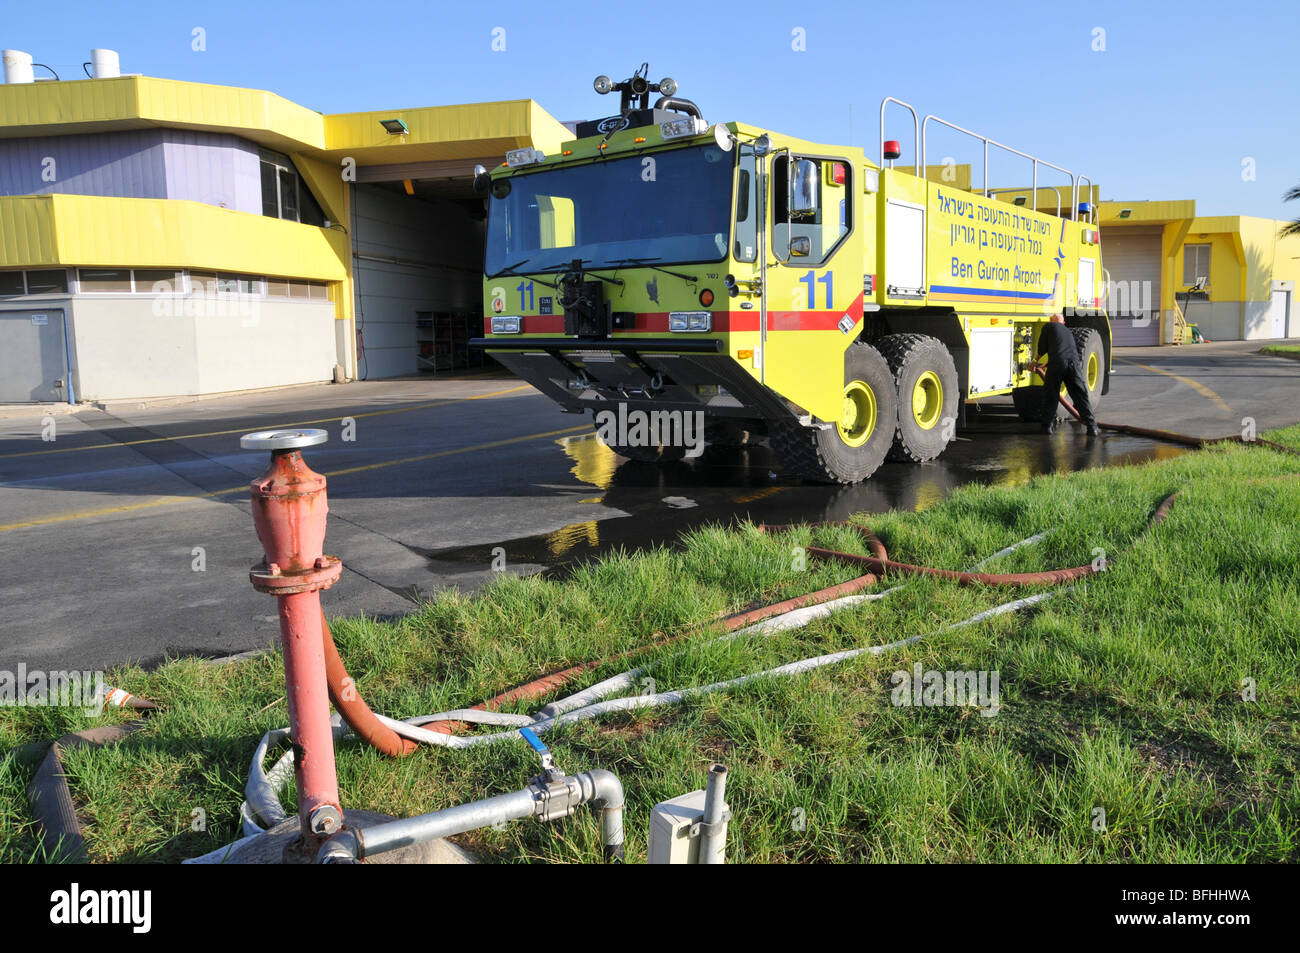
[(325, 820)]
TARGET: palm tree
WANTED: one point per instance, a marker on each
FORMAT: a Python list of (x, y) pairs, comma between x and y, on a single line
[(1292, 227)]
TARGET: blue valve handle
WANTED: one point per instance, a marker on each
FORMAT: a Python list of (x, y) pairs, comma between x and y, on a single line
[(531, 737)]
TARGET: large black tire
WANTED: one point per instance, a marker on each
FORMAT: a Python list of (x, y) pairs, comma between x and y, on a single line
[(837, 454), (925, 378), (1092, 358)]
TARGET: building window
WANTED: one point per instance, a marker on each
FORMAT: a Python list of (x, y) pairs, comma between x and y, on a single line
[(149, 281), (125, 280), (12, 283), (284, 195), (239, 285), (103, 279), (294, 288), (1196, 263), (47, 282)]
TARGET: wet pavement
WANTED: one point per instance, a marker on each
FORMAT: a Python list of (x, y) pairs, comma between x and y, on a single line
[(655, 504), (129, 536)]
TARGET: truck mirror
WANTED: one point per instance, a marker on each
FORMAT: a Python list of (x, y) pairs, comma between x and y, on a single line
[(482, 182), (804, 187), (800, 247)]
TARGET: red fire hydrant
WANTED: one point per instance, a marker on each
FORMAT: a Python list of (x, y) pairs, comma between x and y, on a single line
[(289, 510)]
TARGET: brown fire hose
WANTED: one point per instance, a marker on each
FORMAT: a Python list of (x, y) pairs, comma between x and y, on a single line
[(1166, 435), (347, 699)]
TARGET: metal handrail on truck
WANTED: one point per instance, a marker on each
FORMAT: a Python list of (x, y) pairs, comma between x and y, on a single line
[(921, 154)]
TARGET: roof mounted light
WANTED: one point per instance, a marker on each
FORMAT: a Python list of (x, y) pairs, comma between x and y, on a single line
[(394, 127), (520, 157), (635, 90), (681, 128)]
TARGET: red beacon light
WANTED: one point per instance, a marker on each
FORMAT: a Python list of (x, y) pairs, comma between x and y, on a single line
[(892, 149)]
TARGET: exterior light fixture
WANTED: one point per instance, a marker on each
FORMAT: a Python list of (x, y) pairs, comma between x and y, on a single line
[(394, 127), (1125, 212)]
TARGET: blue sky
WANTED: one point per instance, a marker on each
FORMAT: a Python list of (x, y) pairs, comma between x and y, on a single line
[(1181, 96)]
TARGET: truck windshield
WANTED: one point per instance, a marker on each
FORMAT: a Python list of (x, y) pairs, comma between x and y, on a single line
[(667, 207)]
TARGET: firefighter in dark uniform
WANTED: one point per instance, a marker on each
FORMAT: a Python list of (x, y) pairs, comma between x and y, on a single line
[(1058, 344)]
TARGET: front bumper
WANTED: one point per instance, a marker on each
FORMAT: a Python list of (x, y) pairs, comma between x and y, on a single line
[(645, 373)]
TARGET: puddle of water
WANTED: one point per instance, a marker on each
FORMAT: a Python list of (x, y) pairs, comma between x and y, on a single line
[(726, 486)]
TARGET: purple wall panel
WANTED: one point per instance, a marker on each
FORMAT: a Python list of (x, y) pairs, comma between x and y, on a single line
[(216, 169), (121, 163)]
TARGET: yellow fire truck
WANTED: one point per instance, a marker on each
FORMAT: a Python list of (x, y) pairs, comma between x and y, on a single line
[(844, 308)]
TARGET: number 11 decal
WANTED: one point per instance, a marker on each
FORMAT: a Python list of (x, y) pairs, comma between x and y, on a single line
[(812, 281)]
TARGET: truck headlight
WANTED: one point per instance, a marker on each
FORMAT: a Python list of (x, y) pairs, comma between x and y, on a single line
[(690, 321), (507, 325)]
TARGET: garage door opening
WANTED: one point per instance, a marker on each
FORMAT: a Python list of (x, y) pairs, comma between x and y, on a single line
[(418, 259), (1132, 257)]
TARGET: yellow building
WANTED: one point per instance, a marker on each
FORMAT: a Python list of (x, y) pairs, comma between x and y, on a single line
[(164, 238), (1232, 276)]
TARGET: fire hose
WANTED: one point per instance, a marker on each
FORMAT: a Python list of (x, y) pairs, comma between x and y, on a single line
[(380, 732), (261, 809), (1168, 436)]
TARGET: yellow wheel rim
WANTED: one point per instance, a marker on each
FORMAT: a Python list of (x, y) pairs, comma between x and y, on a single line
[(1094, 371), (858, 419), (927, 400)]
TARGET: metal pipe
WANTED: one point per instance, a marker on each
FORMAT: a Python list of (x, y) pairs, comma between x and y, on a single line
[(916, 136), (607, 793), (713, 829), (540, 799), (677, 104), (426, 827)]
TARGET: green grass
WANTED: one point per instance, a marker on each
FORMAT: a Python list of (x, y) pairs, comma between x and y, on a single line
[(1281, 350), (1121, 696)]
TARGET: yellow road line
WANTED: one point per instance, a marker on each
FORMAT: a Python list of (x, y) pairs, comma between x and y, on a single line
[(1197, 386), (240, 430), (243, 488)]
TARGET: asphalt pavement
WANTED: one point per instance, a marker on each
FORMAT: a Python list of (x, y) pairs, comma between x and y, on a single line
[(128, 535)]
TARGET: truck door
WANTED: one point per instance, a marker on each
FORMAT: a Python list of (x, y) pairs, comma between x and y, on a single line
[(813, 281)]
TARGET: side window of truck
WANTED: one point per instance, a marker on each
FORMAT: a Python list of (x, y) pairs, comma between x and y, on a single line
[(746, 207), (826, 224)]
